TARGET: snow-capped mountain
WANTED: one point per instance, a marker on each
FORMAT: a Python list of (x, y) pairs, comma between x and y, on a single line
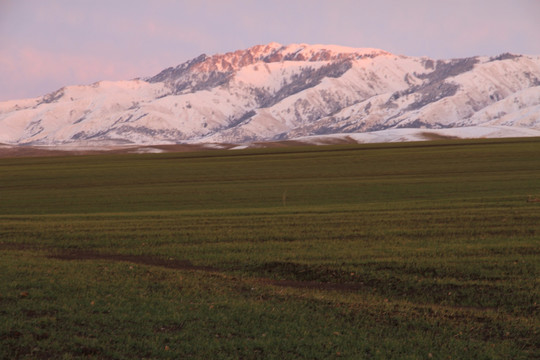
[(275, 92)]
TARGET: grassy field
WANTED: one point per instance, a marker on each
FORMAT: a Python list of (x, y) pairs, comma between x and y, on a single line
[(388, 251)]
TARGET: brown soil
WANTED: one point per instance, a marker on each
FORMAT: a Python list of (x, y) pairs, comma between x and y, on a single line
[(38, 151), (434, 136), (16, 246), (23, 151), (187, 265), (313, 285), (7, 151), (136, 259)]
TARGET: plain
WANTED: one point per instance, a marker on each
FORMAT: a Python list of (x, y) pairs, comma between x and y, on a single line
[(406, 250)]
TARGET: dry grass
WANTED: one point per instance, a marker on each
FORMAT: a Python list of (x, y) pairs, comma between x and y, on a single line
[(434, 136)]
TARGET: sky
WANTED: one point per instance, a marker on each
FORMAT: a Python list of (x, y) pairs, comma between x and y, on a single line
[(48, 44)]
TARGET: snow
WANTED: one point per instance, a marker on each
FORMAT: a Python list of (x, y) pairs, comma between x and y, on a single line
[(310, 50), (147, 150), (271, 76), (239, 147), (399, 135), (519, 109), (496, 98)]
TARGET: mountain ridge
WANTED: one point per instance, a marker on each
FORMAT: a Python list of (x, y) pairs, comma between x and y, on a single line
[(278, 92)]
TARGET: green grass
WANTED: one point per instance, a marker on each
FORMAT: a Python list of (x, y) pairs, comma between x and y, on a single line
[(388, 251)]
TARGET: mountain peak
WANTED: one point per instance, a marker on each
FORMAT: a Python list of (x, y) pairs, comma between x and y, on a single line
[(275, 52), (231, 62)]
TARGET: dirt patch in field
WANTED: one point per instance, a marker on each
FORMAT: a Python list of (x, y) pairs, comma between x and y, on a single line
[(313, 285), (13, 151), (278, 144), (17, 246), (23, 151), (187, 265), (7, 151), (435, 136), (136, 259)]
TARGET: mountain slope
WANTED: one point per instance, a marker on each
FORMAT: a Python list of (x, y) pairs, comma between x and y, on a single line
[(276, 92)]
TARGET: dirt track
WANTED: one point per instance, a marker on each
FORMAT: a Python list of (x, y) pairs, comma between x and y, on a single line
[(187, 265)]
